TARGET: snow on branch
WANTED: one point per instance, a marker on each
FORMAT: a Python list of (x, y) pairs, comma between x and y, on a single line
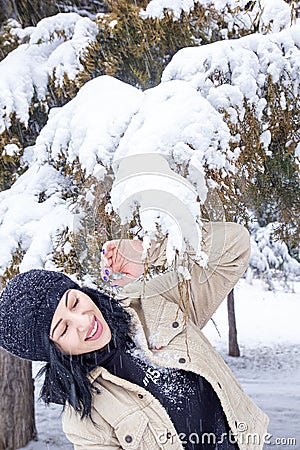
[(90, 126), (109, 121), (270, 256), (55, 47), (31, 212), (263, 15), (228, 73), (180, 124)]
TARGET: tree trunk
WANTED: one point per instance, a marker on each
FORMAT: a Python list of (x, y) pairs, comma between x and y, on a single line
[(17, 425), (233, 343)]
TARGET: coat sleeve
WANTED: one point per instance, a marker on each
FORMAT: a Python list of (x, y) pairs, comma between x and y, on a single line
[(227, 246)]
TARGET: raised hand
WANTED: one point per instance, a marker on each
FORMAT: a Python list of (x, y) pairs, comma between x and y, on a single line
[(122, 256)]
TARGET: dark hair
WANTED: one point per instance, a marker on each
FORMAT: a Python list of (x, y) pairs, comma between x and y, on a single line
[(67, 376)]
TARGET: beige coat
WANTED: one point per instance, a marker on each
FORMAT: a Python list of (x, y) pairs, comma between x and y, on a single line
[(125, 415)]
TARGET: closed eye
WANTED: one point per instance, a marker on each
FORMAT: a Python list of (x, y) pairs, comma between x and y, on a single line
[(65, 330), (75, 303), (73, 307)]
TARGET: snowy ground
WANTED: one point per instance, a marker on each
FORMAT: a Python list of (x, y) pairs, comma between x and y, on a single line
[(269, 368)]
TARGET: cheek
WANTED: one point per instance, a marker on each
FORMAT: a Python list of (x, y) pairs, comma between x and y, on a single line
[(70, 343), (106, 334), (108, 329)]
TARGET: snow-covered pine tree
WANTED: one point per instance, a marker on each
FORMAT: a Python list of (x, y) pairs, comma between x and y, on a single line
[(222, 109), (270, 259)]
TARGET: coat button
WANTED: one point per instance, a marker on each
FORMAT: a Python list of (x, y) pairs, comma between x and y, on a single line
[(140, 396), (128, 438), (175, 324), (182, 360)]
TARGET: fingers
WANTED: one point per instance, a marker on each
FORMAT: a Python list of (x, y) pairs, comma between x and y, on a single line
[(105, 273), (122, 281), (107, 263), (122, 256), (108, 251)]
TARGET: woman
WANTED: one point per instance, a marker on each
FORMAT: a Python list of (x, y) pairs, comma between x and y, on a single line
[(135, 371)]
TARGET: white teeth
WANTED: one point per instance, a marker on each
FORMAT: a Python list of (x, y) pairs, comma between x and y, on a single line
[(93, 330)]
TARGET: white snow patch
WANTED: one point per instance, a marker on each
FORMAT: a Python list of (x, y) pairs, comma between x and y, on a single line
[(227, 73), (55, 44), (267, 16), (31, 213)]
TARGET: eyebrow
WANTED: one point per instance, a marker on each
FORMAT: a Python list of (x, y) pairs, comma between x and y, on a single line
[(67, 297)]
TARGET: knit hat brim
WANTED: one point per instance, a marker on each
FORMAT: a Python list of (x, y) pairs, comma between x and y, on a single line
[(27, 305)]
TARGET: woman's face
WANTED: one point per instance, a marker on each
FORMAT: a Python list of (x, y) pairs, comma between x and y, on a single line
[(78, 326)]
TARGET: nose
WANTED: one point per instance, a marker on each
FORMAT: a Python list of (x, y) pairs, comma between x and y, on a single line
[(80, 322)]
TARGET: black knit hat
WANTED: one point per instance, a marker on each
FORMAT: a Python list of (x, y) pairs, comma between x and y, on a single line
[(27, 305)]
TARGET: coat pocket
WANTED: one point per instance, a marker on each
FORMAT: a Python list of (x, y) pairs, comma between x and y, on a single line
[(133, 433)]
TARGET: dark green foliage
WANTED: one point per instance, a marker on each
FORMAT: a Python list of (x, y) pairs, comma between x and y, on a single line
[(26, 12), (8, 41), (18, 134), (29, 12), (9, 166), (137, 50), (13, 269), (274, 193)]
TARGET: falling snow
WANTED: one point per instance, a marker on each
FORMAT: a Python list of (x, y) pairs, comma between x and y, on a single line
[(109, 122), (268, 369)]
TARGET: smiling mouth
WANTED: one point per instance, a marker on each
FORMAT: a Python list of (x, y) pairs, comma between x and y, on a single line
[(95, 331)]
